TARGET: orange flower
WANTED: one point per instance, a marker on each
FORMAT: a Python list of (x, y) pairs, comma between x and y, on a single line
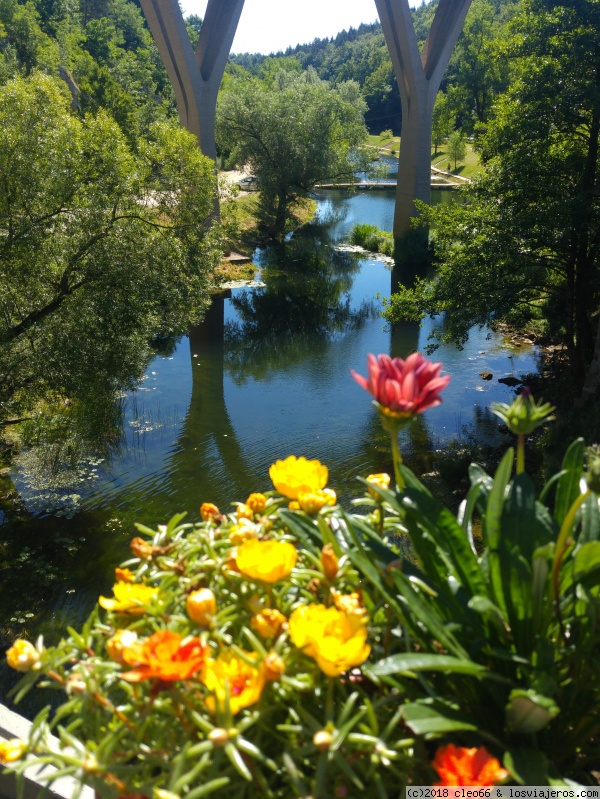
[(124, 575), (229, 675), (458, 765), (141, 549), (257, 502), (209, 512), (164, 656)]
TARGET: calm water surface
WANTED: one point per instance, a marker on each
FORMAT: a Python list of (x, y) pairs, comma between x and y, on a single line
[(266, 375)]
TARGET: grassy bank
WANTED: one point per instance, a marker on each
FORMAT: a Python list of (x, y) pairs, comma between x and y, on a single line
[(468, 167), (244, 231)]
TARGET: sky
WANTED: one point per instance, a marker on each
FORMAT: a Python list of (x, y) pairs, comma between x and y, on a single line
[(267, 26)]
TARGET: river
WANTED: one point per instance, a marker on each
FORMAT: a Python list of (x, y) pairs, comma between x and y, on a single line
[(267, 374)]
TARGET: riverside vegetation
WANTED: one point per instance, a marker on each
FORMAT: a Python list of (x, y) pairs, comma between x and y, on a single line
[(291, 647)]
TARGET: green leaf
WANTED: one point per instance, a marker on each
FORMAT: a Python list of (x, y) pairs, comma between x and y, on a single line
[(417, 661), (587, 565), (530, 767), (208, 788), (432, 718), (568, 489)]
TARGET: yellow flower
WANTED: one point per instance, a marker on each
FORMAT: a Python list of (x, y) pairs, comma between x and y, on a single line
[(381, 481), (257, 502), (268, 622), (243, 531), (311, 502), (336, 640), (294, 505), (351, 604), (268, 561), (228, 673), (131, 598), (12, 750), (244, 511), (298, 474), (23, 656), (121, 640), (201, 606)]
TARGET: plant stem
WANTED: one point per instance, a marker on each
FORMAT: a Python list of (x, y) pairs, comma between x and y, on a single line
[(520, 453), (397, 458)]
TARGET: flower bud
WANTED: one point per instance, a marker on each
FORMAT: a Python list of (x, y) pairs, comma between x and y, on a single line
[(201, 606), (273, 667), (209, 512), (218, 737), (524, 415), (268, 623), (140, 549), (23, 656), (322, 740), (90, 765), (382, 480), (312, 502), (12, 750), (593, 468), (124, 575), (75, 685), (329, 562), (257, 502), (243, 531), (294, 505), (121, 640), (160, 793)]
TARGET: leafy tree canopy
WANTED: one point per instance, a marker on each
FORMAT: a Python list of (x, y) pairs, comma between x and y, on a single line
[(100, 247), (525, 245), (293, 132)]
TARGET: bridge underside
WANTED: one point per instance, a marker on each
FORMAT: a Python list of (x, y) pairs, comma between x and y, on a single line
[(196, 77)]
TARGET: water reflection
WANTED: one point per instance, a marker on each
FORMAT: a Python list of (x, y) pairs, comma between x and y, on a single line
[(306, 303)]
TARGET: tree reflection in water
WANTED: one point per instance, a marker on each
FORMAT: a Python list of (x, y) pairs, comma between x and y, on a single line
[(305, 304)]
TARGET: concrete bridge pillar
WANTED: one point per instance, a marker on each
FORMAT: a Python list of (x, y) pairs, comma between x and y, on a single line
[(419, 75), (195, 77)]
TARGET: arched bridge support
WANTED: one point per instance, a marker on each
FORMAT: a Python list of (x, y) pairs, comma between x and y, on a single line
[(195, 77), (419, 75)]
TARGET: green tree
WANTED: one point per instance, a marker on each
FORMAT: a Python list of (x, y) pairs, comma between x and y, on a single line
[(294, 133), (443, 120), (479, 68), (99, 248), (527, 245), (457, 147)]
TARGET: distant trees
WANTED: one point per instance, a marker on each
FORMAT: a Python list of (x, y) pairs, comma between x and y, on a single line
[(457, 147), (526, 247), (294, 131), (100, 247), (442, 121)]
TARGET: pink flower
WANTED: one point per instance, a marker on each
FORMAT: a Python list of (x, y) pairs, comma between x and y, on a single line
[(402, 388)]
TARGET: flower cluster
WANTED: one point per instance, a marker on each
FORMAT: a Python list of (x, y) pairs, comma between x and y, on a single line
[(291, 647)]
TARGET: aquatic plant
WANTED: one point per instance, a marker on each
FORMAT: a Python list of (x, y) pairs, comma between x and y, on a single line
[(281, 650)]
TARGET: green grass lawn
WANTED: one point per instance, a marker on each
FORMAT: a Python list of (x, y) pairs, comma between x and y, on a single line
[(467, 168)]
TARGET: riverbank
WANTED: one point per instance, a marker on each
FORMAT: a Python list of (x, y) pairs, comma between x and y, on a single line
[(244, 231)]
